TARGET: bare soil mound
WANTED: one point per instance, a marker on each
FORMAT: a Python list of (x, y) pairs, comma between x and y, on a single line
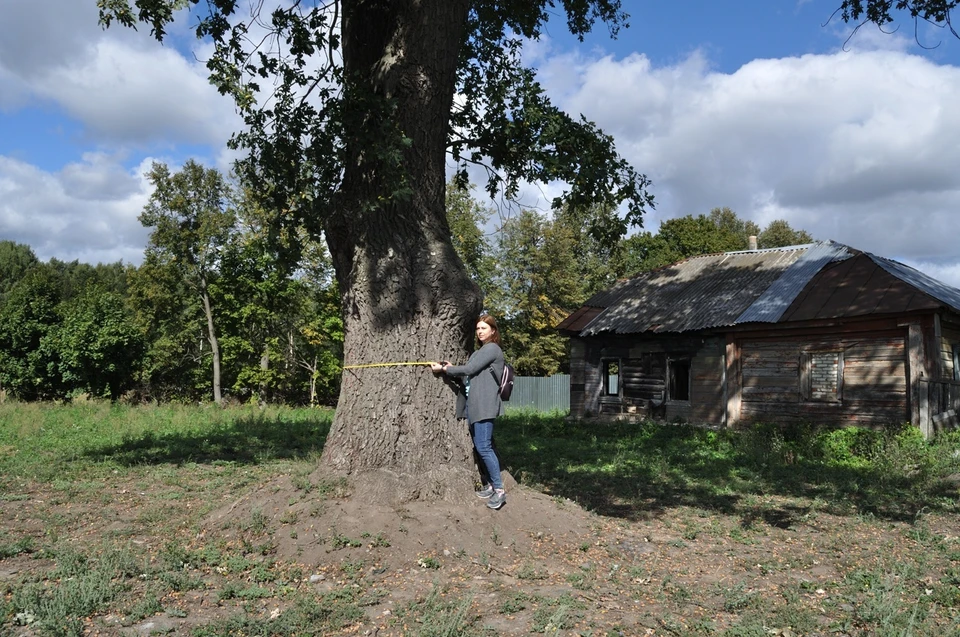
[(528, 548)]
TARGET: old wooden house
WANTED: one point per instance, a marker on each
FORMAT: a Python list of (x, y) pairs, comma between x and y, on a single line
[(819, 333)]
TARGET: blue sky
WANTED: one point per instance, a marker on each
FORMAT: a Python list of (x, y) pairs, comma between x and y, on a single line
[(758, 105)]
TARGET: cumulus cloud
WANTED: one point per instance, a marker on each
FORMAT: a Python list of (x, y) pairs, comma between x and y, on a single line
[(120, 86), (856, 146), (134, 96), (86, 212)]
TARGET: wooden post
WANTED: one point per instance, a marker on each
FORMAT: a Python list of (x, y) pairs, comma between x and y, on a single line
[(919, 404), (731, 385)]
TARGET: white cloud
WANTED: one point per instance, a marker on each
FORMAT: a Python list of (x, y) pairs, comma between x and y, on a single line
[(141, 96), (858, 147), (33, 41), (87, 212), (121, 86)]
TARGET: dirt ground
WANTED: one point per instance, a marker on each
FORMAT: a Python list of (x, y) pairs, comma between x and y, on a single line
[(541, 564)]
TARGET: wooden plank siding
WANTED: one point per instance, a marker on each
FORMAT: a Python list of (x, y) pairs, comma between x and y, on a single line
[(706, 386), (643, 379), (578, 383), (873, 387), (949, 339), (643, 376)]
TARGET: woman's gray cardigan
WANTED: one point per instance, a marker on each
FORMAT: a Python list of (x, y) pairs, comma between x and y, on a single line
[(483, 401)]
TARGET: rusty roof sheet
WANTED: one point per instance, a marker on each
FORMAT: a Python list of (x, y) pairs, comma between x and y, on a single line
[(579, 319)]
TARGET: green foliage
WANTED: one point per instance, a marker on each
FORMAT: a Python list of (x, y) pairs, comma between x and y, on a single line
[(779, 233), (191, 219), (76, 278), (80, 586), (352, 130), (720, 231), (882, 12), (467, 217), (96, 344), (440, 616), (28, 315), (891, 473), (536, 285), (170, 317), (16, 259), (309, 615), (281, 321)]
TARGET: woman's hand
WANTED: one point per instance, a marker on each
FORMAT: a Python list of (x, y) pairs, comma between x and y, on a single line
[(438, 367)]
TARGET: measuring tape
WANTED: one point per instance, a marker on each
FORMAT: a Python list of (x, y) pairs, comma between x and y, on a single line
[(386, 364)]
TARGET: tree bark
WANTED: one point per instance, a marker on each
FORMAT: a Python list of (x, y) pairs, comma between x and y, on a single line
[(406, 295), (212, 339), (264, 369)]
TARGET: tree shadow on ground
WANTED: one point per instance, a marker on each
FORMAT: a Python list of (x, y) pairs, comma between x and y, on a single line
[(246, 439), (635, 471)]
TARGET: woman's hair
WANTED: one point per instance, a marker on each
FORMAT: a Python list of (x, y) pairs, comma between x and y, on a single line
[(492, 322)]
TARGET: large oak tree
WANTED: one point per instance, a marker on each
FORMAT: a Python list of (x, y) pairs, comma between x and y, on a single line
[(351, 108)]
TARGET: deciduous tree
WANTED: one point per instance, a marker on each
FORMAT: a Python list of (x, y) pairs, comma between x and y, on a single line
[(28, 315), (349, 110), (96, 345), (778, 233), (192, 221), (15, 260)]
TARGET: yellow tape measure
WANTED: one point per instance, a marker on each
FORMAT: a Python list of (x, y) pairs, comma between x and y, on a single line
[(386, 364)]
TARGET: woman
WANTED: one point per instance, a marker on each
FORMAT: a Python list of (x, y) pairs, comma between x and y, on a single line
[(479, 402)]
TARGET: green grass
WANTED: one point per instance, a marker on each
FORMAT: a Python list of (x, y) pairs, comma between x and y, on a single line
[(622, 469), (700, 486)]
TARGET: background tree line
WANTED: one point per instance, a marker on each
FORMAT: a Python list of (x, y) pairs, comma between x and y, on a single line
[(225, 305)]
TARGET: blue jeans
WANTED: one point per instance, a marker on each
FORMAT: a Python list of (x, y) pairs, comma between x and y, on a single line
[(482, 434)]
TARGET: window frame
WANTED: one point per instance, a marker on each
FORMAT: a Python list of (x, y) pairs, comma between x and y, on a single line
[(605, 375), (806, 381)]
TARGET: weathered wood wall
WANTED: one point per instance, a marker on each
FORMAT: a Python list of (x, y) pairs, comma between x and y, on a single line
[(873, 387), (949, 338), (707, 383), (643, 376), (578, 365)]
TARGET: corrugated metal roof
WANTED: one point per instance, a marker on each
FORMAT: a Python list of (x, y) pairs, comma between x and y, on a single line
[(777, 298), (579, 319), (700, 292), (940, 291), (716, 290)]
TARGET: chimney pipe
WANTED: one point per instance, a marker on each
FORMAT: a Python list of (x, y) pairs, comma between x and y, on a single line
[(752, 240)]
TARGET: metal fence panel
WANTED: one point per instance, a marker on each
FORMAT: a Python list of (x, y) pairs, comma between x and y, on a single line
[(542, 394)]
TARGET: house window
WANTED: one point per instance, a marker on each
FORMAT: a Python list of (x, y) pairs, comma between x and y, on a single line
[(821, 376), (678, 370), (956, 361), (611, 378)]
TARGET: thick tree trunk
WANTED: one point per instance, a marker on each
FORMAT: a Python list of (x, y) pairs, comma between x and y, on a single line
[(406, 295)]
